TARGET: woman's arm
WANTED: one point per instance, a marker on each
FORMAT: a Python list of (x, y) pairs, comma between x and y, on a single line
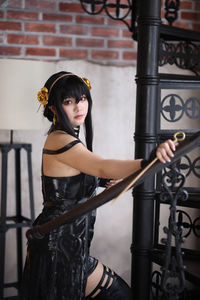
[(80, 158)]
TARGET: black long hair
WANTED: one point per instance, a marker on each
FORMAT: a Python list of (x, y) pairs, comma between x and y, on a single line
[(68, 86)]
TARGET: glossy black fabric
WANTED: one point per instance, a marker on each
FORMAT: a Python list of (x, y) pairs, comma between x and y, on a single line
[(57, 266), (119, 290)]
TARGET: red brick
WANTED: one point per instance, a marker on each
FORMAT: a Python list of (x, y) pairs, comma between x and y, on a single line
[(10, 26), (1, 38), (186, 5), (73, 29), (57, 17), (104, 54), (1, 14), (38, 27), (13, 3), (129, 55), (190, 16), (69, 7), (22, 15), (120, 44), (197, 6), (89, 19), (196, 27), (89, 42), (10, 50), (40, 52), (181, 25), (105, 32), (38, 4), (22, 39), (73, 53), (119, 23), (163, 12), (115, 22), (57, 41), (127, 33)]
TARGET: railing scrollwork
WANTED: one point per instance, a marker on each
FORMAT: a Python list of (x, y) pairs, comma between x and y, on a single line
[(158, 294), (171, 8), (185, 55), (173, 107), (116, 10), (173, 277)]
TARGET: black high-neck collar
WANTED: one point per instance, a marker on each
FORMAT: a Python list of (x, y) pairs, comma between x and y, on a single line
[(58, 127)]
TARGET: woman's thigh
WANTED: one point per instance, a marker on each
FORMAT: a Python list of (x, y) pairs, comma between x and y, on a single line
[(94, 278), (104, 284)]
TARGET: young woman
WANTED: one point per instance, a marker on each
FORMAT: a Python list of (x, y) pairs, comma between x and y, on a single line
[(58, 266)]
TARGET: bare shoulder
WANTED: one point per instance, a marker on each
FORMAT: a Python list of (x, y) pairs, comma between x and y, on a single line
[(58, 139)]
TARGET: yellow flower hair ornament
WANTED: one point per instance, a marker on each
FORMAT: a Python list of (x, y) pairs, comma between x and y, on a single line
[(87, 82), (43, 96)]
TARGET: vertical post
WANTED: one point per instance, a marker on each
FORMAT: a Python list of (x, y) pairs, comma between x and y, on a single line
[(145, 140), (3, 228), (30, 181), (18, 211), (19, 220)]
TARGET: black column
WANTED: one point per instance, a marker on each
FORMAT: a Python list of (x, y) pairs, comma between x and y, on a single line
[(145, 140), (3, 228)]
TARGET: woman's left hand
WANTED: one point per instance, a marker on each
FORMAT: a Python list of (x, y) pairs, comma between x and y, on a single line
[(165, 151), (112, 182)]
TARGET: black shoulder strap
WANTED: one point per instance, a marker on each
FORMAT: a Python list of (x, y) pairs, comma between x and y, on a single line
[(63, 149)]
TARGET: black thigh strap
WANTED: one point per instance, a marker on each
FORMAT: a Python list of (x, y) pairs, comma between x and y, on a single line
[(99, 287)]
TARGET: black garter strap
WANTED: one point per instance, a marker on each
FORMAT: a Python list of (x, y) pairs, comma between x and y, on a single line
[(99, 287)]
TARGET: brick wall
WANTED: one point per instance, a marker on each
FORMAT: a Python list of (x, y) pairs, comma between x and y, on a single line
[(60, 29)]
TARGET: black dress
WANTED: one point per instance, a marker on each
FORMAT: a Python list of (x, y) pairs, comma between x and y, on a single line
[(57, 266)]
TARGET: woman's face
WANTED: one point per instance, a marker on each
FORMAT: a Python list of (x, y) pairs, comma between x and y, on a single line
[(76, 112)]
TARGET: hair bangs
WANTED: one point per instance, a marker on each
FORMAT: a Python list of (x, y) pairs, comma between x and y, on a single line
[(74, 87)]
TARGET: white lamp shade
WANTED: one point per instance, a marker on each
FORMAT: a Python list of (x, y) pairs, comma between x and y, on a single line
[(20, 80)]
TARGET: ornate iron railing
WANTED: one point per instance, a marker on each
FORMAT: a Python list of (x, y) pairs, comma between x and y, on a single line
[(173, 277), (115, 10), (184, 55)]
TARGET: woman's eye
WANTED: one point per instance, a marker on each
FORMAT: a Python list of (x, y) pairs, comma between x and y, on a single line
[(67, 102), (83, 98)]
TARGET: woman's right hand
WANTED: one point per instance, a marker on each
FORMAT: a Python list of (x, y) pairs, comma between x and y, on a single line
[(165, 151)]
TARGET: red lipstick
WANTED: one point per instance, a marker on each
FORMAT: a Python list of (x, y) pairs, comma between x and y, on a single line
[(78, 116)]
